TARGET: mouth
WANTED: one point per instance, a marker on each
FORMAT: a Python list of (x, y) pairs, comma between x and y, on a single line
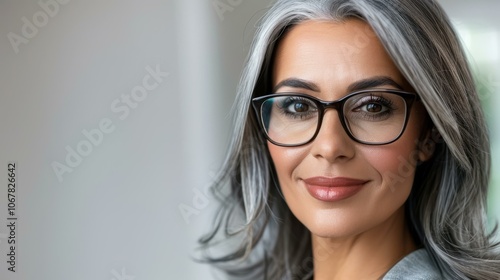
[(329, 189)]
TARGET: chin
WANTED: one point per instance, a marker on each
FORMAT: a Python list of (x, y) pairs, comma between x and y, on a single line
[(346, 223), (328, 223)]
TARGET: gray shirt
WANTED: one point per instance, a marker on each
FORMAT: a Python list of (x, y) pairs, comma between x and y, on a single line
[(416, 266)]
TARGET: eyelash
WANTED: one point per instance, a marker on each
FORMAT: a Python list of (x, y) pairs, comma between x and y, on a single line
[(290, 101), (387, 106), (378, 100)]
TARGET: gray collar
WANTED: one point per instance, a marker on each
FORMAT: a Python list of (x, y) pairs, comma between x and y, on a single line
[(418, 265)]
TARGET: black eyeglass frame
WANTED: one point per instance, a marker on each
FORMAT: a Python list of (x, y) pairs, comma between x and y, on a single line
[(338, 105)]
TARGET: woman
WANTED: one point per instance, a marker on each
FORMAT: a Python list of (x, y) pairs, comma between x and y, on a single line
[(359, 150)]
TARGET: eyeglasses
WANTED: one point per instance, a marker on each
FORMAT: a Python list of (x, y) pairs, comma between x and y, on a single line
[(372, 117)]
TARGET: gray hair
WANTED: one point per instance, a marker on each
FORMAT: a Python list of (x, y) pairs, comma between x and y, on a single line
[(446, 209)]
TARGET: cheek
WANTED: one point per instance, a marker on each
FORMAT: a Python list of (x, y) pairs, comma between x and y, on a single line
[(395, 163), (286, 159)]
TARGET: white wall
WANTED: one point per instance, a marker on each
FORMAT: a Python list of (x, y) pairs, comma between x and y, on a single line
[(70, 66)]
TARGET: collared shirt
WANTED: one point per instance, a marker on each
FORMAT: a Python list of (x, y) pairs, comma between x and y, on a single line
[(416, 266)]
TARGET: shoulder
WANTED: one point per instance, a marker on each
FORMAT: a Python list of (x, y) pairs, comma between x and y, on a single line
[(418, 265)]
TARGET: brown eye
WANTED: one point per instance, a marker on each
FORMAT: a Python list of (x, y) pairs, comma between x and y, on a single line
[(373, 108), (301, 107)]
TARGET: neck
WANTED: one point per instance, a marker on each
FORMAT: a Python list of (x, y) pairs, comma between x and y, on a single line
[(368, 255)]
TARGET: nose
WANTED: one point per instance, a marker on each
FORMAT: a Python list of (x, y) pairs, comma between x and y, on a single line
[(332, 142)]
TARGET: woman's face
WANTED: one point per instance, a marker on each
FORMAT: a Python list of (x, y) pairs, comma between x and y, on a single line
[(337, 187)]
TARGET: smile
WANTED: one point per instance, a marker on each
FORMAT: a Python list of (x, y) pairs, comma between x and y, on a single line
[(333, 189)]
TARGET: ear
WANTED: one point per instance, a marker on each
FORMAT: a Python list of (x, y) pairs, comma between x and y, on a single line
[(427, 145)]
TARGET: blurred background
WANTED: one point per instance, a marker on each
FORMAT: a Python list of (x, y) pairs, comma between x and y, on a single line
[(116, 114), (479, 29)]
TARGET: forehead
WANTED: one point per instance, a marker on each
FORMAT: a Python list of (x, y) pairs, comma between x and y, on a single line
[(332, 54)]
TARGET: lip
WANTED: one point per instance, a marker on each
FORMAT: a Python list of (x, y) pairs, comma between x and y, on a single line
[(333, 189)]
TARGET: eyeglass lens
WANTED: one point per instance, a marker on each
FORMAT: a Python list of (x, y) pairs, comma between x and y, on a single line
[(370, 117)]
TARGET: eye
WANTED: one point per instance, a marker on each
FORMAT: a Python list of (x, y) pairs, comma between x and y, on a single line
[(299, 107), (372, 104), (296, 107), (374, 108)]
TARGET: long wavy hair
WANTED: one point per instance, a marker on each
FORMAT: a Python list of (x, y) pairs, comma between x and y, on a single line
[(255, 235)]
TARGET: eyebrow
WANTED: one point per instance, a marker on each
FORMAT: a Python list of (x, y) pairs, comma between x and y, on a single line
[(373, 82), (356, 86), (296, 83)]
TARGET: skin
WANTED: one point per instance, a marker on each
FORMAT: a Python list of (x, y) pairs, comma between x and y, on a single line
[(362, 236)]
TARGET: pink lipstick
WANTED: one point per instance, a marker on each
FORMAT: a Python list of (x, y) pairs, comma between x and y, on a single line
[(333, 189)]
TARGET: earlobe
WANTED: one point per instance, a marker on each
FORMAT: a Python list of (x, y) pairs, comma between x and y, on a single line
[(427, 146)]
